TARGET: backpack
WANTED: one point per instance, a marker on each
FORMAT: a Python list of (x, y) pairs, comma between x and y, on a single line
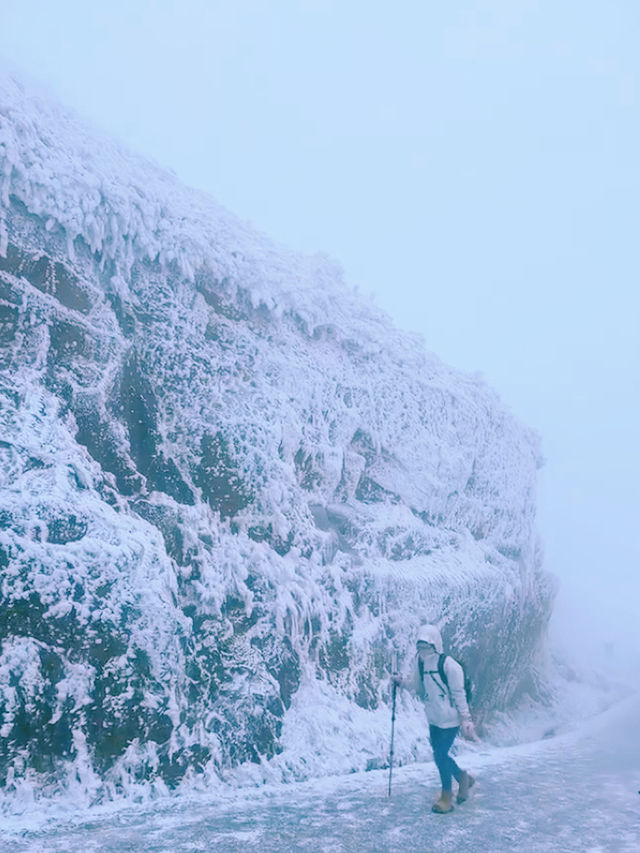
[(468, 686)]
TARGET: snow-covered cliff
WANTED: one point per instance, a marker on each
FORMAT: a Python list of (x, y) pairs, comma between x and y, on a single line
[(230, 490)]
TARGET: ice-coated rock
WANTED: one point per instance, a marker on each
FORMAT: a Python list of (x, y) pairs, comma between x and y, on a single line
[(230, 489)]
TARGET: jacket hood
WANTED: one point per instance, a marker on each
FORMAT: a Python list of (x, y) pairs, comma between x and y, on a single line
[(430, 634)]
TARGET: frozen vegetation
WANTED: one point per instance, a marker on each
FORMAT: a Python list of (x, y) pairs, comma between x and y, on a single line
[(231, 489)]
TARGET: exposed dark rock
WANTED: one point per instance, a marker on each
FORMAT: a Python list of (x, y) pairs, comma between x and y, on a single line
[(216, 474), (69, 529), (48, 276)]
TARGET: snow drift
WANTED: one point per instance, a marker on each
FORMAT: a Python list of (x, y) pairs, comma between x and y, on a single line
[(230, 490)]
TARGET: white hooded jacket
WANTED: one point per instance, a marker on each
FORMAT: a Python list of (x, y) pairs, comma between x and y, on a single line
[(445, 706)]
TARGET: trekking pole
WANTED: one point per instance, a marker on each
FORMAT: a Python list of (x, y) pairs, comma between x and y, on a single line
[(394, 667)]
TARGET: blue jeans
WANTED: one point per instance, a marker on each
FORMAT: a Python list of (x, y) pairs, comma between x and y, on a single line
[(441, 742)]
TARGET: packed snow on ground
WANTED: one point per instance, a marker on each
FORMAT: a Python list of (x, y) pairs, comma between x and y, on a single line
[(572, 792)]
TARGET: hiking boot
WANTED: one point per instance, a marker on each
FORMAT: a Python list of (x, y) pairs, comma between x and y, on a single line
[(467, 781), (444, 804)]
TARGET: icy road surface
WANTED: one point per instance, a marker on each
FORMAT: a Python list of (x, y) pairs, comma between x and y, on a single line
[(576, 792)]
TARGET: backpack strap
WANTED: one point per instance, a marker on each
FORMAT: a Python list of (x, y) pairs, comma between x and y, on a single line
[(443, 676), (441, 671), (421, 677)]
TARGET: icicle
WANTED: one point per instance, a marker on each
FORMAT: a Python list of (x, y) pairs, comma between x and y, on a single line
[(4, 238), (70, 247), (6, 183)]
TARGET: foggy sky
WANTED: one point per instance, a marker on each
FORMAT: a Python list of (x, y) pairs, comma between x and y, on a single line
[(474, 165)]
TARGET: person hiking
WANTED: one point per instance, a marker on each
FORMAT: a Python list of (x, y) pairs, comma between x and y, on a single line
[(446, 708)]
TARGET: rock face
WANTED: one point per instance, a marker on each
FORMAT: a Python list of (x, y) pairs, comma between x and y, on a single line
[(230, 489)]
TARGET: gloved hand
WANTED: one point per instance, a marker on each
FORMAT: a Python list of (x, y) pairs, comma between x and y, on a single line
[(468, 730), (397, 680)]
